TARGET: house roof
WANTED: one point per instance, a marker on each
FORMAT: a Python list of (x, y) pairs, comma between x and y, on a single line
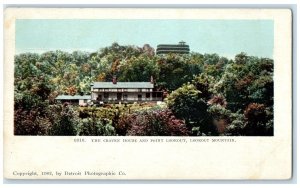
[(74, 97), (129, 85)]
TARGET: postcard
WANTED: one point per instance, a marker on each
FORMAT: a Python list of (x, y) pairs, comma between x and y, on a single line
[(136, 94)]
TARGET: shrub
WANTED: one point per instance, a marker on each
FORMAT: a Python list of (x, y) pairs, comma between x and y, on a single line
[(257, 120), (67, 124), (235, 128), (220, 116), (29, 123), (218, 100), (152, 123), (255, 113), (124, 124), (96, 127)]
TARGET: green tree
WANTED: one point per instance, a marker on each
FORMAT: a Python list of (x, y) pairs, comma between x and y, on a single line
[(138, 69), (175, 70), (187, 104), (246, 80)]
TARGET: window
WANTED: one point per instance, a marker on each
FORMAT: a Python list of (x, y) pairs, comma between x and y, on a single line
[(125, 90), (125, 97), (140, 90), (139, 97), (105, 90), (119, 96), (147, 95), (85, 100), (106, 95)]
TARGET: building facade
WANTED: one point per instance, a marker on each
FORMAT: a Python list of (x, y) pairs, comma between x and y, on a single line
[(116, 92), (180, 48), (125, 92)]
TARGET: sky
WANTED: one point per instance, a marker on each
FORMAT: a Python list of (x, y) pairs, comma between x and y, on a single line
[(224, 37)]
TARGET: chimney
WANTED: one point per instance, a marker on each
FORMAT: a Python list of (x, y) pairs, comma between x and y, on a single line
[(114, 81), (151, 80)]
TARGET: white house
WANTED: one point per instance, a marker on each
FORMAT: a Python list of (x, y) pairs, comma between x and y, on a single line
[(116, 92), (125, 92)]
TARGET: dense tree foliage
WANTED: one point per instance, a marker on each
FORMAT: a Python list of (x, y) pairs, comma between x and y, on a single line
[(206, 94), (152, 123), (239, 101)]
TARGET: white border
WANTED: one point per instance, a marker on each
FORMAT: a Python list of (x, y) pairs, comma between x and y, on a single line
[(255, 3)]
